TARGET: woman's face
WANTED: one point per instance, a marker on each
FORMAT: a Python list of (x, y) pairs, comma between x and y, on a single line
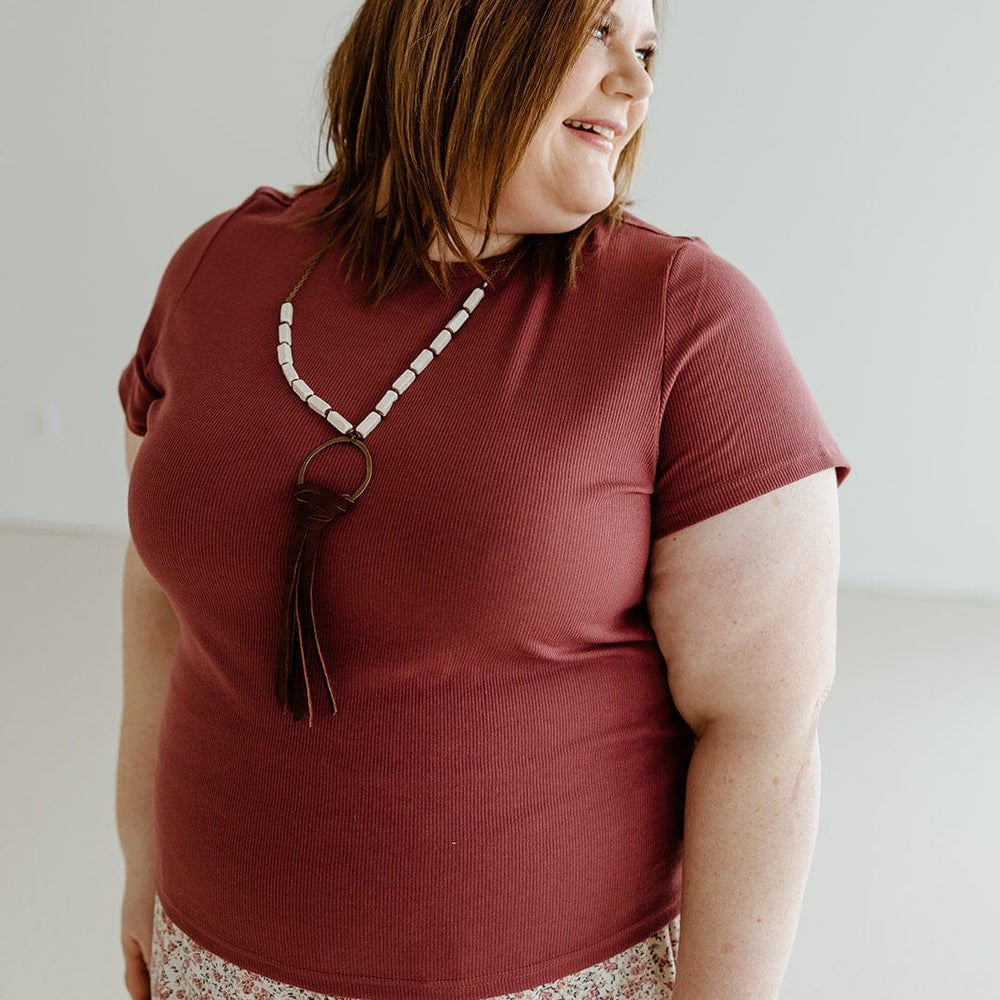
[(567, 172)]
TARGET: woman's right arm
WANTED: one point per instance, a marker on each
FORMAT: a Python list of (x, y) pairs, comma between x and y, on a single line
[(149, 639)]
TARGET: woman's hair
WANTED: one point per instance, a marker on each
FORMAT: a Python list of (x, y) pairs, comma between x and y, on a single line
[(423, 95)]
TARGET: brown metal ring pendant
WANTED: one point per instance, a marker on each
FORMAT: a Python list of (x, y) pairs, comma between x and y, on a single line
[(351, 438)]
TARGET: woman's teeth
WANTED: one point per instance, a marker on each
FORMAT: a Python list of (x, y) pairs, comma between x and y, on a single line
[(587, 127)]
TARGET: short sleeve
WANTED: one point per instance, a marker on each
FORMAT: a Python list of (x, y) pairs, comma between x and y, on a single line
[(140, 384), (738, 418)]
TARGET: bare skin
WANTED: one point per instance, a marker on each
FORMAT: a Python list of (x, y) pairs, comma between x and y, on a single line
[(149, 641), (744, 609)]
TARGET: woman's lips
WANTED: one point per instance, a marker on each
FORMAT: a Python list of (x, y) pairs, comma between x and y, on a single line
[(592, 139)]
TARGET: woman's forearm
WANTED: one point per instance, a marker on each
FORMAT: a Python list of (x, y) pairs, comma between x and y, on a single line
[(149, 640), (749, 830)]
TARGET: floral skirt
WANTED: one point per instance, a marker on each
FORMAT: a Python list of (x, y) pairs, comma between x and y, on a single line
[(180, 969)]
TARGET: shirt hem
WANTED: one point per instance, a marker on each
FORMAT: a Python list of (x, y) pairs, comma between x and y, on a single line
[(728, 494), (486, 987)]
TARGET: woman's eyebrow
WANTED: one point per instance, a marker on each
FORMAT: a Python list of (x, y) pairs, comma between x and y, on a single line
[(617, 24)]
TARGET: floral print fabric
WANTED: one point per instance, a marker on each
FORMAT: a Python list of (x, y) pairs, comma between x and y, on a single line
[(180, 969)]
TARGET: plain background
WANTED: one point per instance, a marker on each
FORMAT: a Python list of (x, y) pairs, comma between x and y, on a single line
[(844, 156)]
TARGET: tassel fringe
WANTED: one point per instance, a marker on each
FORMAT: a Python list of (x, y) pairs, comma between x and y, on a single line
[(301, 654)]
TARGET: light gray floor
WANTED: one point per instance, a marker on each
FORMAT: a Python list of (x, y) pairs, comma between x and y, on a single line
[(903, 897)]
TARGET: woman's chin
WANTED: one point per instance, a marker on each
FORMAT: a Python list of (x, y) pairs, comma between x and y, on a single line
[(575, 212), (596, 198)]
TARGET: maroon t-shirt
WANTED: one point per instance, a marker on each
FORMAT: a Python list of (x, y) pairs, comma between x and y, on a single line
[(499, 800)]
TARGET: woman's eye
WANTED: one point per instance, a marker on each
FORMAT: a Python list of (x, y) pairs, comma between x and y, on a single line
[(603, 31)]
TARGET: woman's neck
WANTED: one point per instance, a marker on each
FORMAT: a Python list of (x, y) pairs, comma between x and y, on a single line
[(497, 244)]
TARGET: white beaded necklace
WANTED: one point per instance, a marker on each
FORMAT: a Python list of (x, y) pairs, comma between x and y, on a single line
[(302, 389), (316, 506)]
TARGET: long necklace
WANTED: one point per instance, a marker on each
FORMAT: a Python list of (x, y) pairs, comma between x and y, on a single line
[(316, 506)]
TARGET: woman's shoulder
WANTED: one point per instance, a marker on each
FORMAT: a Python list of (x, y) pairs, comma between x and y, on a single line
[(268, 204), (641, 233), (262, 202), (650, 252), (262, 222), (303, 201), (643, 262), (686, 263)]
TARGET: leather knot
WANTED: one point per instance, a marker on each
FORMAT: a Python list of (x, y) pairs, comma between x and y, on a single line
[(316, 506)]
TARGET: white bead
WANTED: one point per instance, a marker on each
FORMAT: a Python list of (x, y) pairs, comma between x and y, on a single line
[(339, 422), (421, 361), (386, 402), (284, 334), (284, 354), (286, 312), (456, 322), (474, 299), (290, 373), (368, 423), (441, 341), (318, 404), (302, 390), (404, 381)]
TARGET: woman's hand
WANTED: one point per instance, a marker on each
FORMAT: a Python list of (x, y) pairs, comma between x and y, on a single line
[(137, 931)]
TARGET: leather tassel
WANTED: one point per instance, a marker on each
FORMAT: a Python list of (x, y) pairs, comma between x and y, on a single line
[(300, 654)]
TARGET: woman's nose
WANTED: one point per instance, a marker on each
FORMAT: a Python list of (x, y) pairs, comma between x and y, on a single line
[(630, 79)]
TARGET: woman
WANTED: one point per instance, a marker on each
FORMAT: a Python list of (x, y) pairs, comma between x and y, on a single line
[(435, 696)]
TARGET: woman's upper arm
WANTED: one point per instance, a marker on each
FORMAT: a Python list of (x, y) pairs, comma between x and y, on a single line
[(136, 574), (132, 442), (743, 605)]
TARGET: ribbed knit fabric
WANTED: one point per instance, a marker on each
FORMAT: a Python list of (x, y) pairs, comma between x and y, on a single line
[(501, 793)]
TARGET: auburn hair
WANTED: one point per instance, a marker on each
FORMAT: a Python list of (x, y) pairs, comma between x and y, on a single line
[(422, 95)]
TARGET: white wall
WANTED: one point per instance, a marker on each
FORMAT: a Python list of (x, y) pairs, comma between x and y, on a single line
[(844, 156)]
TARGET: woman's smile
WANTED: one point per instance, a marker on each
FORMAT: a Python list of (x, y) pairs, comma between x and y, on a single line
[(601, 135)]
